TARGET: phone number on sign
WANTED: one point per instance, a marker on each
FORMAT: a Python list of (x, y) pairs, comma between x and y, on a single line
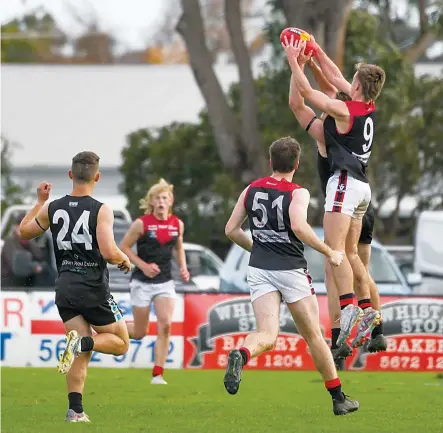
[(268, 361), (411, 362), (51, 349)]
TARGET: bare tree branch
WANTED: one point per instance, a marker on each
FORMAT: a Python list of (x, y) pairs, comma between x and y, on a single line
[(248, 99), (226, 129), (427, 35), (414, 52), (423, 16)]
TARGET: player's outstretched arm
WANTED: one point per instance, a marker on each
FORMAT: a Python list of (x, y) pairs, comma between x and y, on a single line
[(305, 115), (36, 221), (233, 228), (181, 255), (325, 86), (333, 107), (105, 239), (332, 72), (298, 213)]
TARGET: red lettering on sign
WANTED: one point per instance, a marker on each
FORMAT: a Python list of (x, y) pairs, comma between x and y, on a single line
[(12, 307)]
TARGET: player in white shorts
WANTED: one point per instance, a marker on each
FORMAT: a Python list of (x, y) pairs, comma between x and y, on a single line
[(157, 234), (276, 210), (349, 133), (309, 121)]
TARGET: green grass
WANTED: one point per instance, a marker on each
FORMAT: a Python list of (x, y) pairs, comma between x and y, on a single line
[(123, 401)]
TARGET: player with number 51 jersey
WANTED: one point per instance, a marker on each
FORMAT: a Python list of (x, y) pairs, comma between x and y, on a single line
[(277, 211)]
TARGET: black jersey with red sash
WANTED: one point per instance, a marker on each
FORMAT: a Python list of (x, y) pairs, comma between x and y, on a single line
[(351, 151), (275, 246), (155, 246)]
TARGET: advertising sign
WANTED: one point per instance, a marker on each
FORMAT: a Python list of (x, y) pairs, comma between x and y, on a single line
[(15, 328), (215, 324), (47, 341)]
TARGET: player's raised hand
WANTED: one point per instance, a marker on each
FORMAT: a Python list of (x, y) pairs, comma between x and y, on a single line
[(293, 48), (336, 258), (304, 58), (43, 191)]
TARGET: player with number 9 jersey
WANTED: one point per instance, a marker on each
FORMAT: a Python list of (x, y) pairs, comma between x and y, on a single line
[(348, 189)]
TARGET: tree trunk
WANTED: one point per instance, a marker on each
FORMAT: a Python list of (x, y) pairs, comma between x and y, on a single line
[(225, 127), (325, 19), (248, 99), (426, 38)]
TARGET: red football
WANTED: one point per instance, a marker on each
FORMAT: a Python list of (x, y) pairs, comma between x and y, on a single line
[(300, 34)]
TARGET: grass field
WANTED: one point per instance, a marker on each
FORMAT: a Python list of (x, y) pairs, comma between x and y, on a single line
[(123, 401)]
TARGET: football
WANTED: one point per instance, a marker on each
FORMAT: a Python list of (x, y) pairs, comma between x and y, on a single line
[(300, 34)]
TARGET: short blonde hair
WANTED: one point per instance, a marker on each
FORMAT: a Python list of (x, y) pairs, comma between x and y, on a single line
[(158, 188), (372, 79)]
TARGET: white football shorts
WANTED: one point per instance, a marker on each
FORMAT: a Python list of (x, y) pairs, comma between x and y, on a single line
[(142, 294), (293, 284), (347, 195)]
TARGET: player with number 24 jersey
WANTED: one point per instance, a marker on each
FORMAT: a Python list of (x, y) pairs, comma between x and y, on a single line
[(83, 238)]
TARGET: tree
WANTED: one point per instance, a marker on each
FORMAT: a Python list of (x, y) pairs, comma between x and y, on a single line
[(33, 38), (326, 19), (12, 193), (237, 141), (187, 157), (406, 160), (414, 41), (407, 154)]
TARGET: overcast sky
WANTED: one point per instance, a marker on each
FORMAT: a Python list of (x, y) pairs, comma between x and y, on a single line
[(131, 21)]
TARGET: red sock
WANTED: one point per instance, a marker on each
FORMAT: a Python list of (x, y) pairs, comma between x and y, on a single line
[(330, 384), (157, 371), (246, 354), (346, 300), (334, 388), (364, 303)]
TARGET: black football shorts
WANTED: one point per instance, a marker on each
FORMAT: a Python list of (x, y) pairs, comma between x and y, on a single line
[(97, 309), (367, 226)]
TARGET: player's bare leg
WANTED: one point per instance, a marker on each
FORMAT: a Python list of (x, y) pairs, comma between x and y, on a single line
[(139, 327), (378, 341), (112, 339), (76, 377), (370, 316), (336, 227), (334, 317), (164, 308), (307, 319), (267, 316)]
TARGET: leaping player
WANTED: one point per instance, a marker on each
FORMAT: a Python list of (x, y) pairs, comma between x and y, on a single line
[(349, 133)]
